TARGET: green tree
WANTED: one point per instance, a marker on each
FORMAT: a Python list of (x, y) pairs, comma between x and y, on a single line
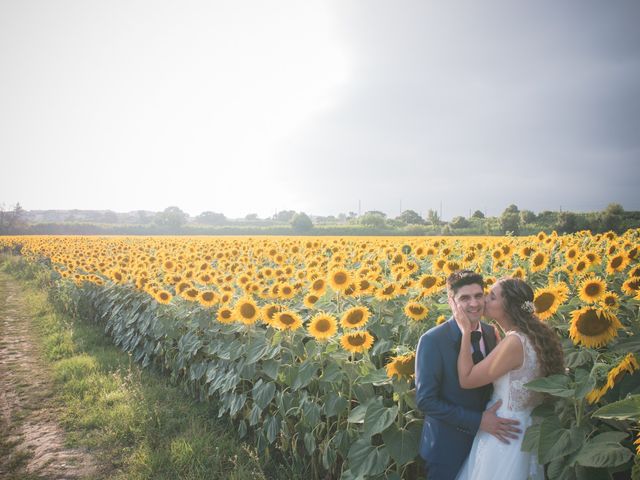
[(567, 222), (109, 217), (301, 223), (171, 217), (510, 220), (460, 222), (527, 216), (611, 218), (477, 214), (410, 217), (211, 218), (373, 219), (433, 217), (284, 216)]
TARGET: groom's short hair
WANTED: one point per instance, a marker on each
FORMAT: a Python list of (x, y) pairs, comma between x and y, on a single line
[(460, 278)]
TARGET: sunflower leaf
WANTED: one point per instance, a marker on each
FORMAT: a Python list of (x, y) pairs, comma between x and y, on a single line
[(627, 409), (556, 385)]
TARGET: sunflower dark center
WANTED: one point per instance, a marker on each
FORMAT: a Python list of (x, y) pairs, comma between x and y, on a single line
[(323, 325), (591, 324), (340, 278), (544, 302), (354, 317), (287, 319), (247, 310), (357, 339), (207, 296), (593, 289)]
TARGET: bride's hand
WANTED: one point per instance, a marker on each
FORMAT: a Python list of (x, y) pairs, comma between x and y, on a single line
[(460, 316)]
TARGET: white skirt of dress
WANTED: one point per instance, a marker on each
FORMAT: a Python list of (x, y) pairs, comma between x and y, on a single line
[(491, 459)]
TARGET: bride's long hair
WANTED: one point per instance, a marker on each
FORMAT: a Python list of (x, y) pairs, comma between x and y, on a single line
[(517, 298)]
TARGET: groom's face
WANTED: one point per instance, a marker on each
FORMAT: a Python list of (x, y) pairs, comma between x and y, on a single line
[(471, 299)]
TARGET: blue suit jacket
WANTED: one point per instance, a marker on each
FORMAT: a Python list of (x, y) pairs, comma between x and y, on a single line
[(452, 414)]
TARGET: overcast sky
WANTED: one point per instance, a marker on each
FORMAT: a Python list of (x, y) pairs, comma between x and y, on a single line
[(324, 107)]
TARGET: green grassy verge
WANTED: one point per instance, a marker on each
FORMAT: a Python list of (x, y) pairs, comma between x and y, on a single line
[(140, 425)]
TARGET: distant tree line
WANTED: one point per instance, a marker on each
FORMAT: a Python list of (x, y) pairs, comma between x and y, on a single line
[(174, 220)]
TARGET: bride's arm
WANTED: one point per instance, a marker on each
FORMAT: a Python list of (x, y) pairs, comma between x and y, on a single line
[(508, 355)]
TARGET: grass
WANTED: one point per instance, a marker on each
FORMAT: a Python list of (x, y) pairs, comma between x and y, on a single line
[(142, 426)]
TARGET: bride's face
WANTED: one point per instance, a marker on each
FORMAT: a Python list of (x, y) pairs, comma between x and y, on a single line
[(493, 304)]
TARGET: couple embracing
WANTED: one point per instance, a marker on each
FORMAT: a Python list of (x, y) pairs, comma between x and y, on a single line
[(470, 384)]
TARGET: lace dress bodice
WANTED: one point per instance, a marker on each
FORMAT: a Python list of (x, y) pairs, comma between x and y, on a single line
[(510, 387)]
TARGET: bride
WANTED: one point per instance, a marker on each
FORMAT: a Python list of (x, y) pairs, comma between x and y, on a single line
[(529, 350)]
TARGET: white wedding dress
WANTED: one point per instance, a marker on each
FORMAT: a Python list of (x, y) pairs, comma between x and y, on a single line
[(490, 459)]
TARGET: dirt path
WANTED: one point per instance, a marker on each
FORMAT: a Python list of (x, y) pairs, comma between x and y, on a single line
[(31, 440)]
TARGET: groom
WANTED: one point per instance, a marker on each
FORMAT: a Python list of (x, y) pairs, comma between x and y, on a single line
[(453, 415)]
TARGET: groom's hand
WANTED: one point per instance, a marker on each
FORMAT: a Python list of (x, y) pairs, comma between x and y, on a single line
[(501, 428)]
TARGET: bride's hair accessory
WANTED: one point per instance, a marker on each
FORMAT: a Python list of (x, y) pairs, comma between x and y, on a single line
[(528, 307)]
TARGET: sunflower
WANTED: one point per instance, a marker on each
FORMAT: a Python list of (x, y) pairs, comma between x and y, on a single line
[(592, 289), (452, 266), (205, 279), (364, 286), (581, 266), (610, 301), (269, 311), (287, 320), (339, 279), (402, 366), (310, 300), (637, 443), (355, 317), (352, 290), (182, 286), (225, 315), (571, 254), (173, 278), (387, 291), (592, 257), (526, 251), (429, 284), (286, 291), (416, 311), (596, 394), (519, 273), (539, 261), (190, 294), (323, 326), (441, 319), (593, 327), (629, 364), (631, 286), (547, 300), (208, 298), (318, 286), (164, 297), (356, 342), (438, 265), (617, 263), (246, 311)]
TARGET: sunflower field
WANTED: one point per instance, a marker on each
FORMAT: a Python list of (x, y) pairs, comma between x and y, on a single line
[(308, 343)]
